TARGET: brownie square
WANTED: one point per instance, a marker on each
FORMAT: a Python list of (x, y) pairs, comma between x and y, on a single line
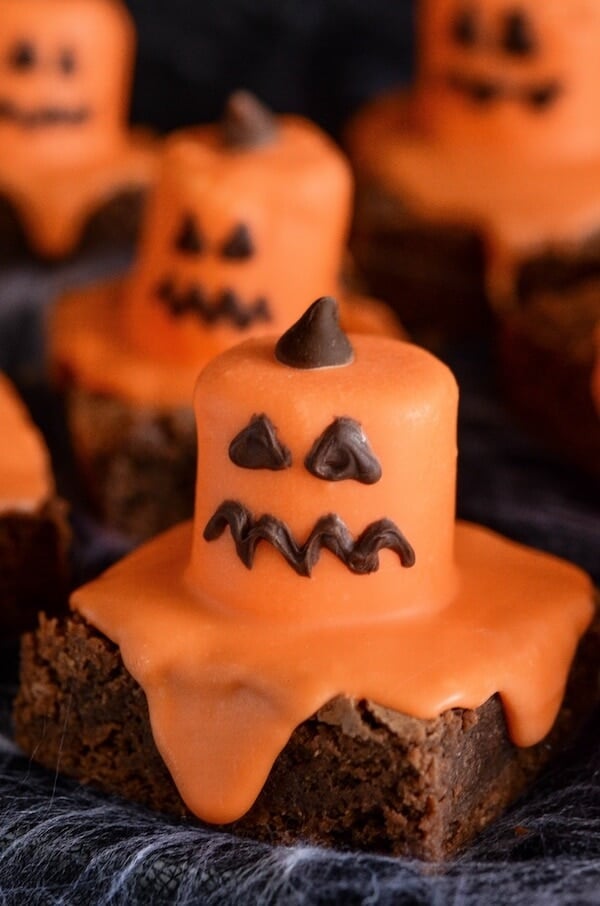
[(356, 775)]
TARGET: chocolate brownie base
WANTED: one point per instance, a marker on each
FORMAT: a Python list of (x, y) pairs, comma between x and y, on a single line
[(432, 274), (138, 463), (33, 566), (546, 349), (113, 224), (356, 775)]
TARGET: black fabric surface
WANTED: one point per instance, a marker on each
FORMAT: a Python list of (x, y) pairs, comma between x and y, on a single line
[(318, 57), (63, 844)]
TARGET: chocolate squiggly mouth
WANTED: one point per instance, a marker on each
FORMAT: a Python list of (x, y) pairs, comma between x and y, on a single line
[(330, 532), (226, 306), (43, 116), (487, 91)]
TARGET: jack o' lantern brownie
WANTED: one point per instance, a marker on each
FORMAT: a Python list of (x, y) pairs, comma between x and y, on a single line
[(488, 165), (249, 218), (323, 653), (71, 174), (33, 525)]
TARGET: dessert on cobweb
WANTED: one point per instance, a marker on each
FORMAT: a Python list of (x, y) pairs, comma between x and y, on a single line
[(322, 653)]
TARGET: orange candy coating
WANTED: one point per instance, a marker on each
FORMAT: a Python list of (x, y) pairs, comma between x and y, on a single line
[(70, 55), (540, 61), (25, 476), (292, 195), (65, 74), (411, 429)]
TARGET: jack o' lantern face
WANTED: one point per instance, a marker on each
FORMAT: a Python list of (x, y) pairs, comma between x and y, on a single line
[(229, 233), (64, 69), (511, 63), (314, 493), (340, 453), (191, 298)]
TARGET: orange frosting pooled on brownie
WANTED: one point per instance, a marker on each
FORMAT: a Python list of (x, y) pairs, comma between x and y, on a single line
[(64, 97), (499, 132), (25, 477), (324, 559), (249, 219)]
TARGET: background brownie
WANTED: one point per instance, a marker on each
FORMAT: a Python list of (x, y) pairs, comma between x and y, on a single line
[(33, 565), (355, 775), (138, 463), (432, 274), (546, 348)]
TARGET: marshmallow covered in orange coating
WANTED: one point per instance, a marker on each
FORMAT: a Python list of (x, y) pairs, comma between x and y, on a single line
[(248, 219), (64, 97), (371, 450)]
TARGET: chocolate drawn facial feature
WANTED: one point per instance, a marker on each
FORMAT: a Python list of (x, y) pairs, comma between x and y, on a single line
[(481, 91), (240, 245), (66, 62), (44, 116), (22, 56), (518, 39), (227, 306), (464, 28), (360, 555), (258, 447), (342, 453), (189, 239)]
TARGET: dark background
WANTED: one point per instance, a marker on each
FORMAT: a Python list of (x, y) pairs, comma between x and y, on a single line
[(317, 57)]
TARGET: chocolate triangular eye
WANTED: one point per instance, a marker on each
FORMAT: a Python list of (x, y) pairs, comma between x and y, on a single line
[(258, 447), (343, 452), (189, 239), (240, 244), (464, 27), (518, 38)]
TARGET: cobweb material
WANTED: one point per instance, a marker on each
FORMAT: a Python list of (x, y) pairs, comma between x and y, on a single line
[(65, 844)]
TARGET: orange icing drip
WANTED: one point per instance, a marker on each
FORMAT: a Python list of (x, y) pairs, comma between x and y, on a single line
[(25, 476), (524, 177), (293, 195), (76, 57), (233, 659)]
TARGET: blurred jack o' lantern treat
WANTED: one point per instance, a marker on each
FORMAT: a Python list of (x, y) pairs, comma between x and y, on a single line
[(72, 175), (482, 184), (248, 220), (34, 533), (323, 653)]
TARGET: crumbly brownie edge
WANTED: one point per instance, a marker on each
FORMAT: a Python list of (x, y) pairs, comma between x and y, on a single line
[(137, 463), (354, 776)]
